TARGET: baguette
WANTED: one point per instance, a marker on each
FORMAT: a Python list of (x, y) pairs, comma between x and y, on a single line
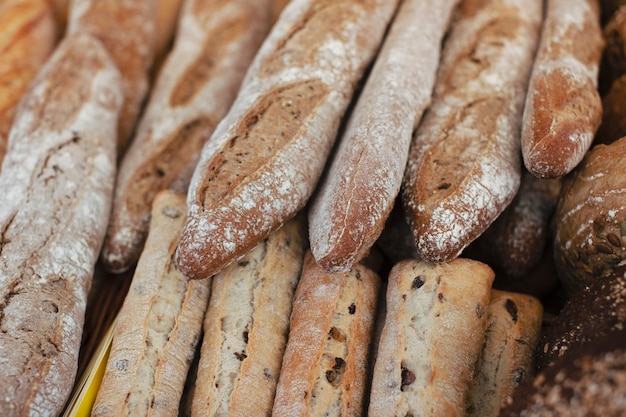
[(563, 108), (57, 184), (326, 362), (464, 164), (214, 46), (246, 327), (27, 40), (158, 327), (128, 31), (265, 157), (432, 337), (349, 212), (507, 358)]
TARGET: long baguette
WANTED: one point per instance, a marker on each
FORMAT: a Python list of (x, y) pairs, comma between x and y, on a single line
[(214, 46), (28, 38), (349, 213), (264, 159), (57, 184), (158, 327), (464, 164), (563, 107), (128, 31)]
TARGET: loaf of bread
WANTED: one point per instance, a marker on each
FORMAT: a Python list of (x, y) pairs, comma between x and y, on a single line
[(508, 354), (128, 31), (214, 46), (464, 164), (158, 327), (325, 369), (349, 212), (432, 338), (265, 157), (591, 230), (29, 33), (246, 327), (57, 183), (563, 108)]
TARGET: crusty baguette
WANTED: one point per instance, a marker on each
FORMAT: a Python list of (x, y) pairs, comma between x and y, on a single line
[(215, 44), (464, 165), (326, 362), (508, 353), (350, 210), (432, 337), (167, 18), (158, 327), (28, 38), (265, 157), (246, 327), (563, 108), (128, 31), (57, 184)]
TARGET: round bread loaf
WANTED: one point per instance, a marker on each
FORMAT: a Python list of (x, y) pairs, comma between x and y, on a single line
[(591, 228)]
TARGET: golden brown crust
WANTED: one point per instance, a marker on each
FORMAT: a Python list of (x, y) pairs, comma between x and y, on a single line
[(128, 31), (29, 34), (325, 366)]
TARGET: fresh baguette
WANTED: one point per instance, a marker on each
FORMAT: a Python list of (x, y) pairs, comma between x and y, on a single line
[(57, 183), (246, 327), (128, 31), (28, 38), (464, 164), (507, 358), (563, 107), (432, 337), (349, 212), (158, 327), (215, 44), (326, 362), (265, 157)]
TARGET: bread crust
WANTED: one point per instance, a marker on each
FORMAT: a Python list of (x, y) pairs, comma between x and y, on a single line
[(158, 327), (325, 366), (128, 31), (57, 184), (246, 327), (265, 157), (214, 46), (563, 108), (28, 38), (464, 164), (432, 337), (364, 178)]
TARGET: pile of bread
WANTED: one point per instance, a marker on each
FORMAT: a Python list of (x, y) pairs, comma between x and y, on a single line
[(326, 207)]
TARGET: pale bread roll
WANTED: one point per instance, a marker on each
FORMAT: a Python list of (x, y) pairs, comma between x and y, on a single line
[(326, 364), (158, 327), (508, 355), (246, 327), (57, 184), (27, 38), (432, 337)]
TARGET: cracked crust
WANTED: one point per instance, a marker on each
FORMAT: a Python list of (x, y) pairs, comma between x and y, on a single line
[(57, 183)]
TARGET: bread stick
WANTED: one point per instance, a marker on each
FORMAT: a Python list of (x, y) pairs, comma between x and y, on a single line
[(265, 157), (57, 183)]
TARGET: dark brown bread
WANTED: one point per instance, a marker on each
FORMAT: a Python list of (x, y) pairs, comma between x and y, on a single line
[(464, 165), (29, 33), (128, 31), (214, 46), (265, 157), (563, 108), (591, 229), (364, 178), (325, 366), (57, 184)]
